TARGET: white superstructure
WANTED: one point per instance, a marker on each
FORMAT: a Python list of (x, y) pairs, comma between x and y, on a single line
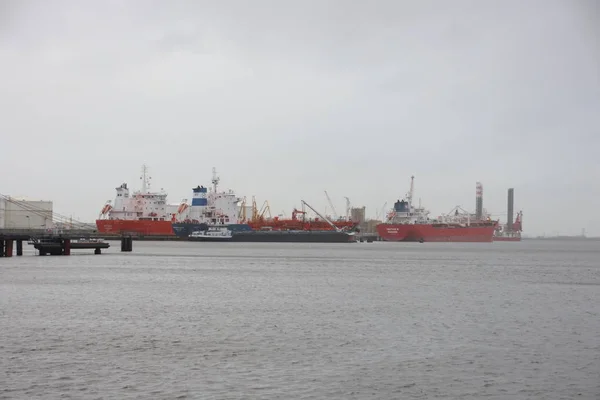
[(141, 205), (213, 232), (405, 213), (208, 205), (212, 206)]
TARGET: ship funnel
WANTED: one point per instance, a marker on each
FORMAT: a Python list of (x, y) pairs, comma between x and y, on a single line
[(510, 211), (478, 201)]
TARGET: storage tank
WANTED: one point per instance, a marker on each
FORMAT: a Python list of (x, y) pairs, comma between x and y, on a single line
[(357, 214)]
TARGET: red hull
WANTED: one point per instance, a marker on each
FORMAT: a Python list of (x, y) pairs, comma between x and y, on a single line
[(433, 233), (299, 225), (148, 228), (506, 239)]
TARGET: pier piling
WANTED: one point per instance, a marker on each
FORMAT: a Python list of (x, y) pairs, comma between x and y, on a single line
[(8, 248), (56, 243), (67, 247), (126, 243)]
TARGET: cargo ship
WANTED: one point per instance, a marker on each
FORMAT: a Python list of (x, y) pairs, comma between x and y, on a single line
[(511, 231), (296, 230), (142, 212), (300, 222), (213, 208), (406, 223), (311, 232)]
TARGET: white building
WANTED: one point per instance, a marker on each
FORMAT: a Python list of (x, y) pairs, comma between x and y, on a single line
[(17, 213)]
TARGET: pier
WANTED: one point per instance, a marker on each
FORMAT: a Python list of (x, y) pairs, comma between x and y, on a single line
[(57, 242)]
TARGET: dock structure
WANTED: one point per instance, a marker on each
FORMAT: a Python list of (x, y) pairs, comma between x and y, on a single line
[(367, 237), (56, 242), (61, 246)]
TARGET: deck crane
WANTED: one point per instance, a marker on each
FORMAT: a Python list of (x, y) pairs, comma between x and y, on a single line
[(335, 216), (321, 216), (265, 210), (258, 214), (295, 213)]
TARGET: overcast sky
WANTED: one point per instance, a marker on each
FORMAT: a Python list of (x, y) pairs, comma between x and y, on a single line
[(289, 98)]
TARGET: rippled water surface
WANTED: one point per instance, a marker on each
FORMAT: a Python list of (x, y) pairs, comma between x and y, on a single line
[(378, 320)]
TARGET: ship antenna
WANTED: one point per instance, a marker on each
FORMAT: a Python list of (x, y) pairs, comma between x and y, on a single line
[(215, 179)]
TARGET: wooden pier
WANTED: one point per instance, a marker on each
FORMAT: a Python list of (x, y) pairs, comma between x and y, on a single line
[(57, 242)]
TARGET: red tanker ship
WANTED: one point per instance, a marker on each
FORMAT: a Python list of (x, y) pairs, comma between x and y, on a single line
[(406, 223), (143, 212), (300, 224)]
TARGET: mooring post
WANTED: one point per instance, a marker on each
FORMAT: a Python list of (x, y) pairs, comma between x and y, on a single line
[(8, 248), (66, 245), (1, 247), (97, 250), (19, 247)]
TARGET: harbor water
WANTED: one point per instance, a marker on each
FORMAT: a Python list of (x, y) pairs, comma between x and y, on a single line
[(304, 321)]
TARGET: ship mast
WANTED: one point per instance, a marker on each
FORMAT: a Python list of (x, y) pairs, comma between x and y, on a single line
[(411, 192), (215, 179), (145, 179)]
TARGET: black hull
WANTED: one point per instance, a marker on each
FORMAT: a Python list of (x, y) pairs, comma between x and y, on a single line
[(208, 239), (293, 237)]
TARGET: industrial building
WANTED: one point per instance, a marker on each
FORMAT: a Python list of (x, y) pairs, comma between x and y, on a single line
[(357, 214), (17, 213), (366, 225)]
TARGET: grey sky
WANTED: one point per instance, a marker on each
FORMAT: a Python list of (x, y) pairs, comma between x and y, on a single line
[(288, 98)]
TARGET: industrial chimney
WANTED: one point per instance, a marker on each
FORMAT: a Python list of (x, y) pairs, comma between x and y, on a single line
[(479, 201), (510, 213)]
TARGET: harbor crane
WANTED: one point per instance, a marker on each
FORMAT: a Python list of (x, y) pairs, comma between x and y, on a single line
[(347, 208), (335, 215), (381, 212)]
